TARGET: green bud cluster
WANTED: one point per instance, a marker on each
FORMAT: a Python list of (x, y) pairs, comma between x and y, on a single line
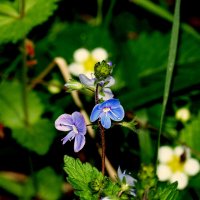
[(146, 180), (102, 70)]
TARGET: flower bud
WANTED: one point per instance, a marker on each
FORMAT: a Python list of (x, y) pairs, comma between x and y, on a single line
[(131, 125), (73, 85), (183, 114), (102, 70)]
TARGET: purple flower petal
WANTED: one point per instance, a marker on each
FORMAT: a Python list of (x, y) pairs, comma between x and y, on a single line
[(79, 122), (86, 81), (64, 122), (95, 113), (116, 114), (70, 136), (105, 120), (79, 142)]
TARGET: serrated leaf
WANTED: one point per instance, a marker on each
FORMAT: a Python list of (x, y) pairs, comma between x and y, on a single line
[(14, 28), (80, 175), (11, 112), (190, 134), (37, 137)]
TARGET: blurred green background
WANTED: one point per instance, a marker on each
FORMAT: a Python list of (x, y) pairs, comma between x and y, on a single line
[(136, 34)]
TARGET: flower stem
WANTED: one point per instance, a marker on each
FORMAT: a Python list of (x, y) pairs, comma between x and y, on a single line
[(102, 131)]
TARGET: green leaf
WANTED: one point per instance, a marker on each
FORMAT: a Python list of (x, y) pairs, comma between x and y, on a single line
[(168, 191), (39, 134), (37, 137), (11, 112), (190, 134), (49, 184), (23, 190), (164, 191), (14, 26), (81, 176)]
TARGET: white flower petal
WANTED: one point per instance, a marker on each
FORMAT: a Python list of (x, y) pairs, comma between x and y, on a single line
[(76, 69), (80, 55), (191, 167), (164, 173), (99, 54), (181, 178), (165, 154), (179, 150)]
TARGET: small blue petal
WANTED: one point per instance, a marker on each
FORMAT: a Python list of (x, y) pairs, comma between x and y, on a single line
[(70, 136), (116, 114), (105, 120), (96, 111), (79, 142), (79, 122), (86, 81), (111, 103)]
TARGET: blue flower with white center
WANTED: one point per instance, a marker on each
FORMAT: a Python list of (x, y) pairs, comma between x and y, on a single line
[(110, 109), (76, 126)]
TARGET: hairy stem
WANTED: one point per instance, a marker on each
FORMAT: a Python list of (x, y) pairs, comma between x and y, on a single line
[(24, 85), (102, 131)]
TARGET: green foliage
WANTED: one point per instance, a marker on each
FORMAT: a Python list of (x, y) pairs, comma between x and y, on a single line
[(39, 134), (82, 177), (49, 184), (164, 191), (37, 137), (12, 114), (15, 24), (190, 134), (88, 182), (46, 178)]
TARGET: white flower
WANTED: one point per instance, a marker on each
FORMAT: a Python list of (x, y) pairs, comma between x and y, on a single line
[(84, 60), (176, 165), (183, 114)]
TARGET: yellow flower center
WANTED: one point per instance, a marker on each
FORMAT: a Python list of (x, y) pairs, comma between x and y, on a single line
[(175, 164), (89, 64), (106, 109)]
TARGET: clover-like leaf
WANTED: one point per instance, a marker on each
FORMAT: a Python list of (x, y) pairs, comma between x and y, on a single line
[(37, 137), (15, 25)]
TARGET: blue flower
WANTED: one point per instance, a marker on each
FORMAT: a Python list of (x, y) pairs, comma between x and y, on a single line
[(105, 92), (76, 126), (127, 182), (110, 109)]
